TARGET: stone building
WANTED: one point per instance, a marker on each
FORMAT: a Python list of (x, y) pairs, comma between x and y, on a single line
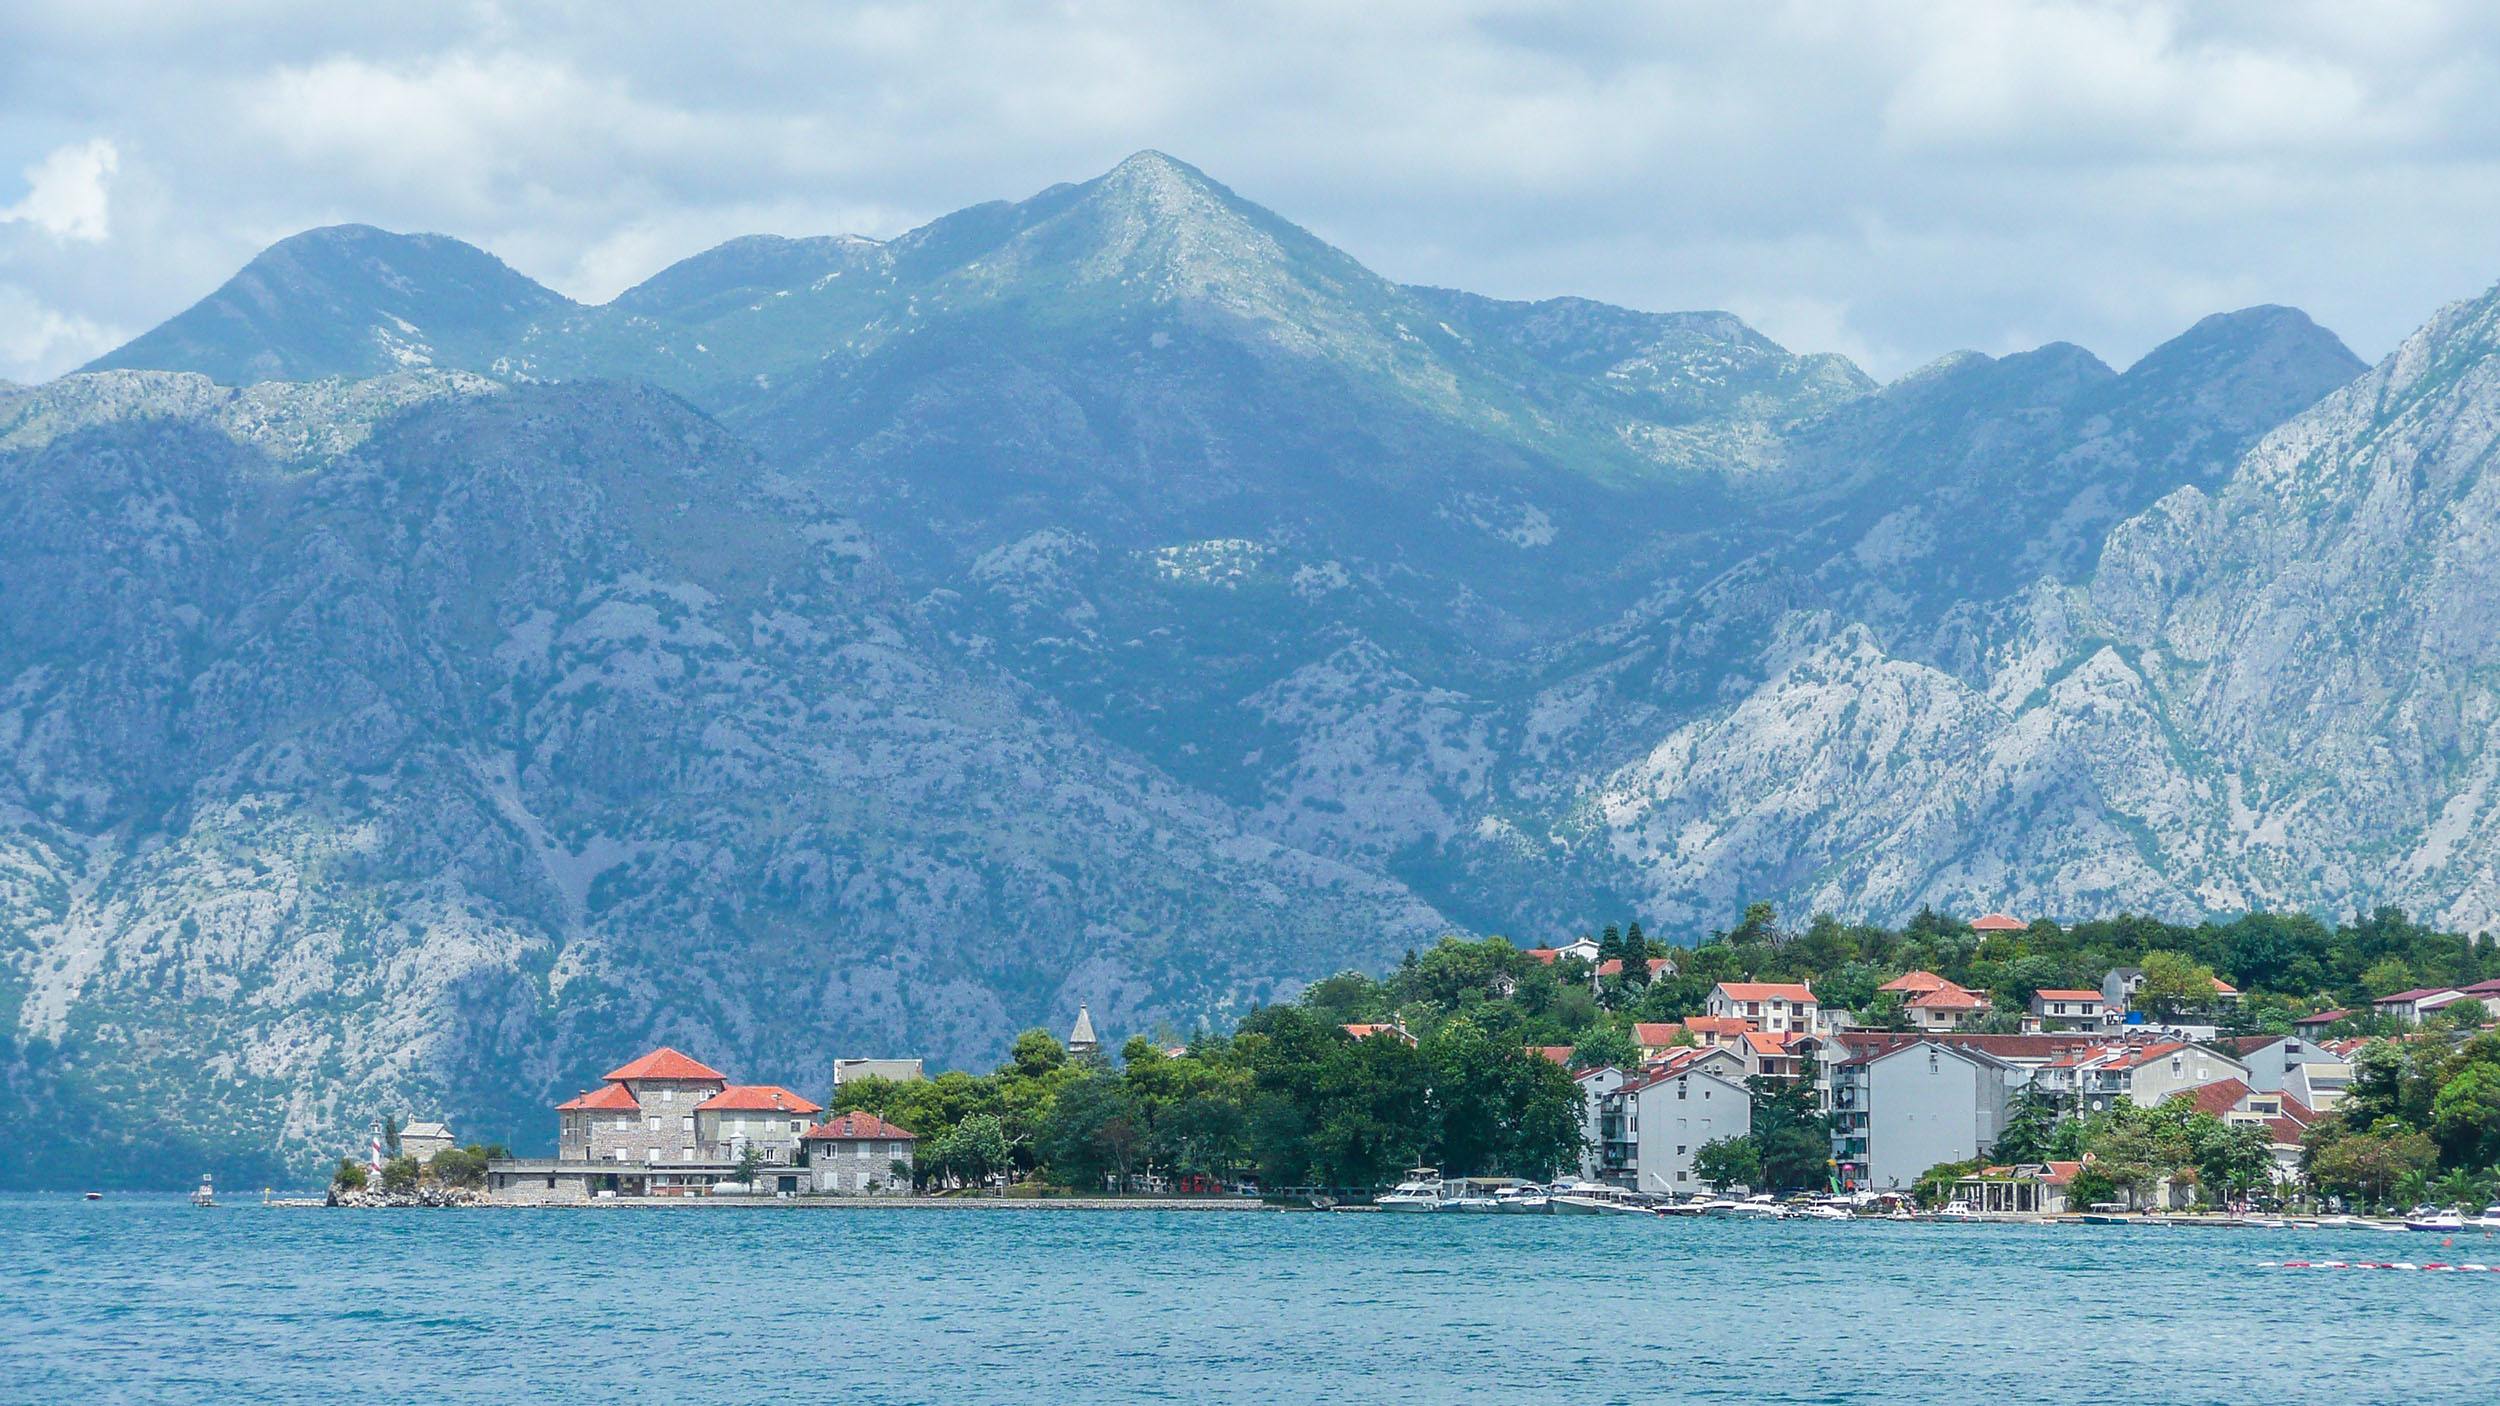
[(858, 1154), (663, 1125)]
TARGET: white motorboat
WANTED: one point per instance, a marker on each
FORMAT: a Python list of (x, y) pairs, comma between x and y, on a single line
[(1585, 1198), (1824, 1211), (2488, 1220), (2434, 1220), (1421, 1191), (1523, 1201), (1751, 1208), (206, 1194), (1955, 1211), (1471, 1200)]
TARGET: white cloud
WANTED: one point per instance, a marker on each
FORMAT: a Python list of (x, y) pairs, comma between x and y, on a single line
[(37, 341), (68, 192), (1892, 180)]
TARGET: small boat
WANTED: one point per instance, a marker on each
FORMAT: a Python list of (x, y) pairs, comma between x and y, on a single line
[(1952, 1213), (2434, 1221), (1522, 1201), (1469, 1200), (206, 1194), (1823, 1211), (95, 1195), (1586, 1198), (2488, 1220), (1421, 1191), (1751, 1208)]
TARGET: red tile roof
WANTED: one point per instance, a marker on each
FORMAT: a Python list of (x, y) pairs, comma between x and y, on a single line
[(1912, 983), (2324, 1017), (1717, 1024), (1766, 991), (1768, 1042), (2416, 994), (1365, 1032), (2143, 1055), (856, 1127), (1547, 955), (1613, 966), (1950, 998), (2047, 994), (1655, 1034), (762, 1098), (1997, 922), (2224, 988), (2215, 1098), (665, 1063), (1560, 1054), (609, 1096)]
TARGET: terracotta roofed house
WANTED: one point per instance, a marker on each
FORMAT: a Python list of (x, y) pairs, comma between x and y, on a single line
[(2411, 1006), (1915, 983), (1998, 922), (1765, 1005), (2063, 1008), (767, 1117), (1949, 1007), (859, 1153)]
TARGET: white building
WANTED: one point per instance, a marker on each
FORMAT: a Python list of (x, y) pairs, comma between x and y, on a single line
[(1924, 1103), (2064, 1009), (2147, 1075), (1601, 1122), (1668, 1117), (1777, 1007), (859, 1154)]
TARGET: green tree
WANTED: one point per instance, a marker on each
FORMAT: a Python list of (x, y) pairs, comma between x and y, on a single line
[(400, 1173), (1091, 1139), (1794, 1142), (750, 1163), (1606, 1046), (1037, 1053), (2174, 984), (349, 1175), (2030, 1126), (1934, 1186), (1728, 1161)]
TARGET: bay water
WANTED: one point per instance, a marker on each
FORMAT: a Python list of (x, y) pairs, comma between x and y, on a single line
[(147, 1299)]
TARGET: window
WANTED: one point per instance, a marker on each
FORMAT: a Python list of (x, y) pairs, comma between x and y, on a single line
[(686, 1154), (651, 1124), (689, 1124)]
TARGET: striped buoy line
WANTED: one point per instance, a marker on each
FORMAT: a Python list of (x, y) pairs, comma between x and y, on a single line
[(2380, 1264)]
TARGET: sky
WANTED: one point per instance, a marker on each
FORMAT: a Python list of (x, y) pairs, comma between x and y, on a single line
[(1892, 181)]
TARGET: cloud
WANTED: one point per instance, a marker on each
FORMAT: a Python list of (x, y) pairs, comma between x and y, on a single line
[(36, 341), (1894, 180), (67, 192)]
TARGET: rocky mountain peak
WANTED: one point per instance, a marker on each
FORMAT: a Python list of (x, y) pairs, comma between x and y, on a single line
[(345, 300)]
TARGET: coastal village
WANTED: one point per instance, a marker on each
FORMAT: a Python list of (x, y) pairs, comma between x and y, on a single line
[(1929, 1089)]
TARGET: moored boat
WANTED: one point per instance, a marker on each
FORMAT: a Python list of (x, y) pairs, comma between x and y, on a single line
[(1528, 1200), (206, 1194), (1421, 1191), (2434, 1220)]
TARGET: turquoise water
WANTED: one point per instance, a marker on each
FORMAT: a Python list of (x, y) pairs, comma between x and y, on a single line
[(148, 1300)]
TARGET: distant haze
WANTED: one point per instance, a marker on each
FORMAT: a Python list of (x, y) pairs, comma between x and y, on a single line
[(1889, 182)]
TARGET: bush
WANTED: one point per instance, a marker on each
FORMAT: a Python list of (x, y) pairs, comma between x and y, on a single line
[(400, 1173), (457, 1166), (350, 1175)]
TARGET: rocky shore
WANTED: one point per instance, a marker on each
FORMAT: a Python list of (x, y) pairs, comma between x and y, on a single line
[(425, 1196)]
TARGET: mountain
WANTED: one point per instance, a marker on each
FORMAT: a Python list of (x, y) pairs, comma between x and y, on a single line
[(349, 300), (435, 737), (836, 645), (2273, 690)]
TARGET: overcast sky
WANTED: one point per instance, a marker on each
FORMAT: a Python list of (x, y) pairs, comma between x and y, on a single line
[(1892, 181)]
